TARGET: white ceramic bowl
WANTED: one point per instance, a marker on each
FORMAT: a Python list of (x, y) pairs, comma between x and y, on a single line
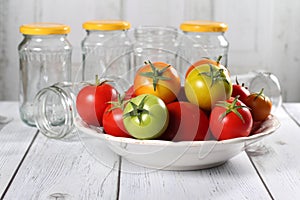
[(185, 155)]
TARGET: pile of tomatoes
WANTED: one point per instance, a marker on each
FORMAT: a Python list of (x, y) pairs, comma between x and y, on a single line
[(156, 106)]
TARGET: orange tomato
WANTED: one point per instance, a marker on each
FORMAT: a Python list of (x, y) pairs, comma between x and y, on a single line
[(159, 79), (260, 105)]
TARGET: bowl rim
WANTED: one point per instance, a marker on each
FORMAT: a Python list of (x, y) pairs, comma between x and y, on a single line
[(267, 127)]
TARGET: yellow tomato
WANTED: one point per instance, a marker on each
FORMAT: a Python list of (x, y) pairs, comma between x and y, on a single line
[(207, 84)]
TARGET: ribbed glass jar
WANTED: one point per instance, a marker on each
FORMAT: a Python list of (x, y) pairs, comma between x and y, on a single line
[(45, 58), (106, 48)]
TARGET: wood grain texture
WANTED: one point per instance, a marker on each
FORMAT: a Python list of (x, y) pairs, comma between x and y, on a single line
[(14, 13), (284, 58), (65, 169), (3, 46), (277, 159), (263, 36), (294, 111), (154, 13), (83, 168), (15, 139), (193, 10), (236, 179)]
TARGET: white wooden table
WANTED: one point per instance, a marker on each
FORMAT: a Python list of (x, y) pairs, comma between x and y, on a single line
[(33, 166)]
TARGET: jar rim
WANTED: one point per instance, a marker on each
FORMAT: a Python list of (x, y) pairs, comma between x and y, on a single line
[(44, 28), (203, 26), (43, 122), (106, 25)]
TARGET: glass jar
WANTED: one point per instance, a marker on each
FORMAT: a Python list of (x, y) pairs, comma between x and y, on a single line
[(45, 58), (256, 80), (105, 48), (208, 41), (157, 44), (55, 109)]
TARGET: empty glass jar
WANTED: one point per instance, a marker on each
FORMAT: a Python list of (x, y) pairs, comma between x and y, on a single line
[(55, 109), (208, 41), (105, 48), (45, 58), (155, 44)]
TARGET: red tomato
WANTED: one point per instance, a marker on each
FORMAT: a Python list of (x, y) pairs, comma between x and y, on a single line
[(260, 105), (130, 93), (113, 121), (207, 61), (241, 91), (187, 122), (230, 119), (159, 79), (92, 100)]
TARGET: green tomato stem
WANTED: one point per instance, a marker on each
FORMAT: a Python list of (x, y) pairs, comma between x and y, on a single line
[(156, 74)]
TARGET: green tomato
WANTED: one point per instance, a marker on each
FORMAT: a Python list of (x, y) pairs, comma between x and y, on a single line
[(146, 117), (207, 84)]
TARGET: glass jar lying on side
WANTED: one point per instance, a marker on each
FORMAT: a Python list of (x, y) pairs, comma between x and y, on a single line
[(55, 106), (55, 109)]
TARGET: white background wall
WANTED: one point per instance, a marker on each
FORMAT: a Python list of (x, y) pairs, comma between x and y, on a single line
[(263, 34)]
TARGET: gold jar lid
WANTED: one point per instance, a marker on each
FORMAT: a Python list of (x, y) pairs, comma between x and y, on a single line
[(203, 26), (44, 29), (106, 25)]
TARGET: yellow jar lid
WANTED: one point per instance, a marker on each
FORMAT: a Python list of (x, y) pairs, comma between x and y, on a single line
[(106, 25), (44, 29), (203, 26)]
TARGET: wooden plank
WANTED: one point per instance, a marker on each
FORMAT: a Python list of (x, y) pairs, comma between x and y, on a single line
[(236, 179), (64, 169), (294, 111), (248, 34), (277, 160), (3, 46), (141, 13), (15, 139), (192, 8), (285, 43), (13, 13)]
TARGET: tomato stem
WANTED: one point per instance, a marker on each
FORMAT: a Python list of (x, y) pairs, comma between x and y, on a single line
[(219, 59), (156, 74), (97, 80), (137, 110), (215, 75), (232, 107), (236, 81), (119, 103), (260, 94)]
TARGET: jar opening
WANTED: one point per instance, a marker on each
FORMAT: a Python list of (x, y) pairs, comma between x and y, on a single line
[(54, 112)]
